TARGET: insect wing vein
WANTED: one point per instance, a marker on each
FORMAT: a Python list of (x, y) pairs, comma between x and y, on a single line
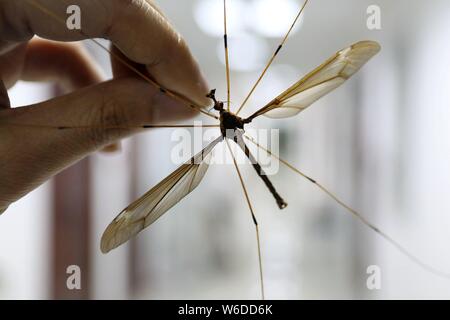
[(158, 200), (322, 80)]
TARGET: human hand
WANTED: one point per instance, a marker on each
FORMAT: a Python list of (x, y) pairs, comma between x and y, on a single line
[(30, 154)]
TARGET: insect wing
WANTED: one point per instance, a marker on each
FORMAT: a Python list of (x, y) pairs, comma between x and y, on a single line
[(324, 79), (158, 200)]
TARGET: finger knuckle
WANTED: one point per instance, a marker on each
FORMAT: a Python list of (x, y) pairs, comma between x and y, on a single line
[(111, 117)]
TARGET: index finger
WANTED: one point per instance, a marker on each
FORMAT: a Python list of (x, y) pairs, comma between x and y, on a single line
[(134, 26)]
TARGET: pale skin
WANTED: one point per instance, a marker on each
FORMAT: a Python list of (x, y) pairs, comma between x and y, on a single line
[(31, 155)]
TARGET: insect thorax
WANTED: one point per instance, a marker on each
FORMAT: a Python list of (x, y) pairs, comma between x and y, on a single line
[(230, 121)]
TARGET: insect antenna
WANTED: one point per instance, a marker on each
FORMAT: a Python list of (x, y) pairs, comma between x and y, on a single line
[(227, 61), (255, 222), (357, 215), (166, 91), (273, 57)]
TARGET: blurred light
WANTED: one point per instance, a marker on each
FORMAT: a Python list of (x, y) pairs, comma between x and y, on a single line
[(209, 16), (277, 79), (273, 18), (247, 53)]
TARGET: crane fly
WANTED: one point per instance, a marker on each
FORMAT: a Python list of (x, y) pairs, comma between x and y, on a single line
[(161, 198), (186, 178)]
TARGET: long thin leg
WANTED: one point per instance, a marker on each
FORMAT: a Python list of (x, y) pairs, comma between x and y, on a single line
[(227, 61), (143, 126), (273, 57), (171, 94), (240, 142), (356, 214), (255, 222)]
